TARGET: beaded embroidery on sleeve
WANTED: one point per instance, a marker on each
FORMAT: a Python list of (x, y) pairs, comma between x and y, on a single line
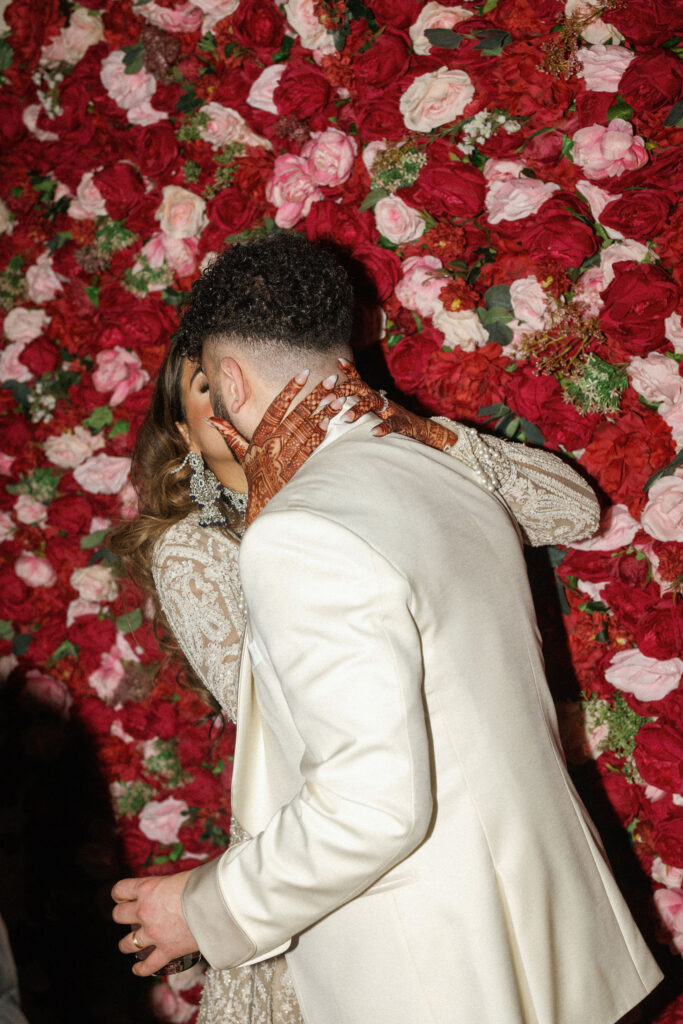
[(550, 501)]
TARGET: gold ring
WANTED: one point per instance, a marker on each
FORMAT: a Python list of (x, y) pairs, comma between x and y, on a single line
[(134, 937)]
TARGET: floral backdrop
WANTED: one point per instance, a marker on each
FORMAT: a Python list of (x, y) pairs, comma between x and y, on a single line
[(506, 173)]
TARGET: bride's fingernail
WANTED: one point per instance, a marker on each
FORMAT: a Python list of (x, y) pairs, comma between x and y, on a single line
[(330, 381), (302, 377)]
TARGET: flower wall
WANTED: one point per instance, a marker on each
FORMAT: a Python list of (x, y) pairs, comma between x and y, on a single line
[(507, 175)]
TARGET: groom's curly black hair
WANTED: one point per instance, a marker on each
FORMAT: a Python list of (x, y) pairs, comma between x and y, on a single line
[(278, 288)]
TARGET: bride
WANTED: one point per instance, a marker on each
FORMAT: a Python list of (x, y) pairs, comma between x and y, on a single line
[(182, 549)]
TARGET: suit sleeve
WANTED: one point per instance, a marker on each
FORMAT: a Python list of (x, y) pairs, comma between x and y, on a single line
[(332, 621)]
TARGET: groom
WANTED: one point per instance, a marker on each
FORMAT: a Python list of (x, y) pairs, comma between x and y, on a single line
[(417, 844)]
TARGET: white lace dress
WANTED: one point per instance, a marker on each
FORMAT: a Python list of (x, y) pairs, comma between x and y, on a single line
[(197, 579)]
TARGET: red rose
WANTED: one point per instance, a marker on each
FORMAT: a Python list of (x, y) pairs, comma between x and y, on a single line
[(628, 603), (11, 124), (624, 796), (652, 82), (592, 108), (155, 147), (383, 62), (659, 632), (407, 360), (16, 599), (258, 25), (28, 32), (399, 13), (665, 170), (636, 304), (459, 384), (40, 356), (621, 456), (540, 400), (121, 187), (229, 213), (379, 117), (557, 232), (668, 840), (529, 91), (382, 266), (449, 190), (93, 636), (302, 91), (659, 755), (72, 514), (341, 224), (640, 213), (647, 22)]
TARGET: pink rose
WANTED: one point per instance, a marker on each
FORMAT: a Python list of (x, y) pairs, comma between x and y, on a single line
[(434, 15), (502, 170), (656, 378), (262, 92), (588, 290), (160, 820), (84, 30), (30, 116), (6, 464), (673, 417), (301, 16), (102, 474), (129, 501), (7, 527), (608, 152), (43, 283), (436, 98), (70, 450), (397, 221), (130, 92), (620, 252), (106, 679), (168, 1005), (215, 11), (11, 367), (617, 530), (46, 690), (420, 286), (89, 202), (517, 198), (461, 329), (596, 30), (119, 371), (673, 331), (662, 517), (77, 608), (529, 303), (176, 254), (226, 126), (663, 873), (291, 189), (25, 324), (182, 213), (34, 570), (602, 66), (598, 199), (669, 904), (646, 678), (371, 152), (185, 18), (95, 583), (330, 155), (28, 510)]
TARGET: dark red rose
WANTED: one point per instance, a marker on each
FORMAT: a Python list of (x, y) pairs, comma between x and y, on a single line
[(258, 25), (652, 81), (659, 756), (624, 796), (665, 170), (399, 13), (622, 455), (636, 304), (647, 22), (72, 514), (93, 636), (40, 356), (231, 212), (15, 599), (449, 190), (11, 124), (28, 32), (341, 224), (383, 62), (525, 18), (640, 213), (379, 117), (668, 840), (558, 232), (155, 148), (382, 267), (628, 603), (659, 632), (407, 360), (458, 384), (121, 187), (540, 400), (302, 91), (592, 107), (529, 91)]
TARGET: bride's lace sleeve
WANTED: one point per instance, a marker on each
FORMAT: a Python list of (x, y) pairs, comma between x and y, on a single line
[(196, 575), (550, 501)]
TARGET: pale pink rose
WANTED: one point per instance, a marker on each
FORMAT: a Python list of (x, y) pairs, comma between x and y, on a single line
[(170, 1006), (69, 450), (215, 11), (371, 152), (653, 794), (130, 92), (262, 91), (669, 904), (595, 740), (77, 608), (8, 663), (99, 523), (330, 155), (160, 820), (301, 16), (434, 15), (397, 221), (84, 30), (185, 18), (597, 31), (673, 417), (182, 213), (436, 98), (34, 570), (11, 366), (608, 152), (185, 980), (117, 730), (226, 126), (176, 254), (145, 114), (656, 378), (502, 170), (7, 527), (29, 116), (662, 517), (102, 474), (46, 690), (106, 679), (6, 464), (529, 303), (461, 329), (620, 252), (617, 530), (517, 198), (671, 877), (598, 199), (119, 371), (43, 283), (89, 202), (28, 510), (291, 189), (673, 330), (420, 286), (593, 591), (602, 66), (95, 583), (6, 219), (25, 324), (646, 678)]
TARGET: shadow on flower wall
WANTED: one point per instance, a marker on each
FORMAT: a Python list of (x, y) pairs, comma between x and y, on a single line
[(507, 175)]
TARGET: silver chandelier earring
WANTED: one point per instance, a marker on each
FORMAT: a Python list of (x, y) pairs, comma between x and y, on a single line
[(205, 490)]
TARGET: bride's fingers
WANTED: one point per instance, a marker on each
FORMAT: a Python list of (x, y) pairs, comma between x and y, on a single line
[(278, 407), (236, 443)]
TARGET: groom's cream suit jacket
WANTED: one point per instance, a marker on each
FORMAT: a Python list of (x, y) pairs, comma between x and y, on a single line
[(416, 834)]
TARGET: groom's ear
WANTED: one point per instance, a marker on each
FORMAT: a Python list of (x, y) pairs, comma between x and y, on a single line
[(236, 388)]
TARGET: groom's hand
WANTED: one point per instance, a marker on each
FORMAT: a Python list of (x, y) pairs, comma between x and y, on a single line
[(153, 910)]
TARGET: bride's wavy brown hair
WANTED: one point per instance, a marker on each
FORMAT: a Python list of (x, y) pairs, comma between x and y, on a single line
[(163, 493)]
